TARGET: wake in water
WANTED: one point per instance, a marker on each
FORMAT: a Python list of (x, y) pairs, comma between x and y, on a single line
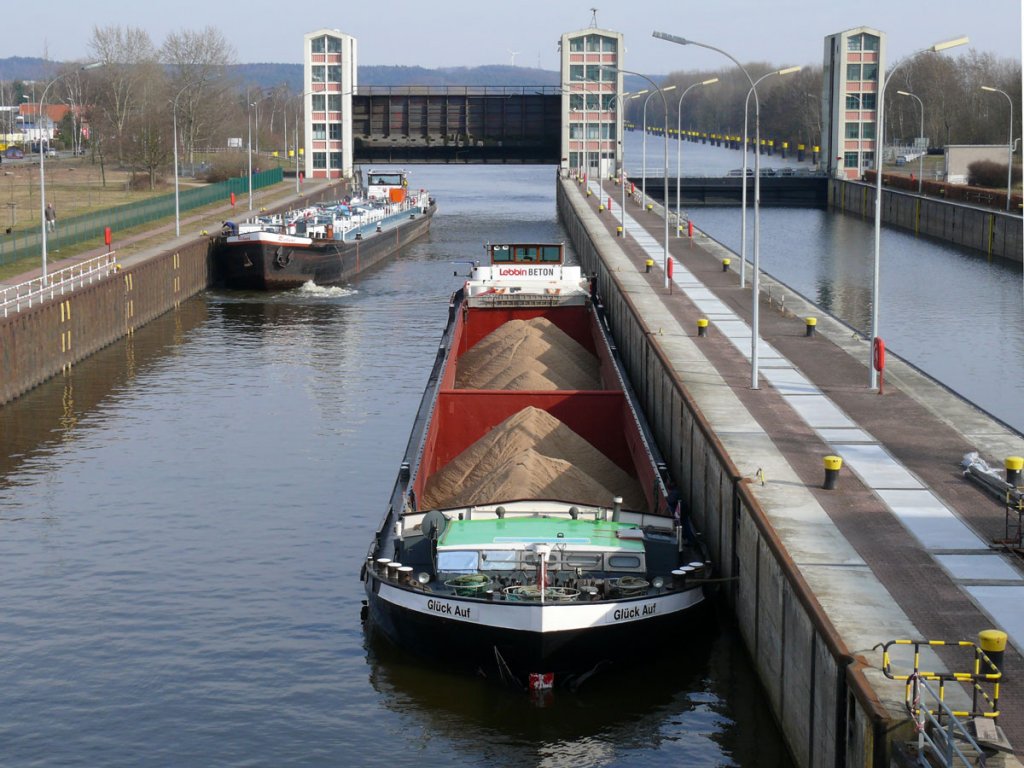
[(325, 291)]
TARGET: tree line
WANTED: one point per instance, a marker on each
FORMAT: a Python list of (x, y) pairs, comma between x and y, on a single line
[(129, 100), (956, 109)]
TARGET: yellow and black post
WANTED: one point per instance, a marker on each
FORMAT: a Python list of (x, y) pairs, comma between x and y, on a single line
[(832, 466)]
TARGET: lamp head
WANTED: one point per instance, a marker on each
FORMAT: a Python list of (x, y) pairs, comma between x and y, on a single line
[(669, 88), (671, 38), (989, 88), (904, 93), (950, 44), (788, 70), (709, 82)]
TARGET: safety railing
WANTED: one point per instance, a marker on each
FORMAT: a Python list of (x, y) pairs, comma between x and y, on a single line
[(24, 243), (25, 295), (941, 736)]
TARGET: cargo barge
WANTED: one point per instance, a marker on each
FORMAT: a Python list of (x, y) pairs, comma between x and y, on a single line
[(530, 531), (327, 243)]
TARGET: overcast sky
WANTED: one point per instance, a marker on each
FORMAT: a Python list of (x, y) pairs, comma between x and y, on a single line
[(452, 33)]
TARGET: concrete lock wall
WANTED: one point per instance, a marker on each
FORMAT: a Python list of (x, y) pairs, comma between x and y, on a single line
[(39, 342), (993, 233), (828, 714)]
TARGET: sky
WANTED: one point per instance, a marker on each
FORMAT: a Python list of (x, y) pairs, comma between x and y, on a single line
[(454, 33)]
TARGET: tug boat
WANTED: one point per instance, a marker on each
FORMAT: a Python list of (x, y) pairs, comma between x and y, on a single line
[(326, 243), (530, 531)]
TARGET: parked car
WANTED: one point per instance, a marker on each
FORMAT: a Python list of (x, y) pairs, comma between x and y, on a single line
[(739, 172), (13, 153)]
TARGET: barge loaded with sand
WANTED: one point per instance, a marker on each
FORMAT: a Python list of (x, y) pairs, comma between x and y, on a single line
[(530, 530), (325, 243)]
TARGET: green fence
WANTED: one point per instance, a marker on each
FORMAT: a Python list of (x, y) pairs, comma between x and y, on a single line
[(90, 226)]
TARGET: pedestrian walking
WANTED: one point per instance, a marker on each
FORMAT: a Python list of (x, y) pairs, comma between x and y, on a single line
[(51, 218)]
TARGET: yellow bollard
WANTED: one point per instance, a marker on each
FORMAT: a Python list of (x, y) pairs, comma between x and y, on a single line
[(832, 466), (702, 327), (600, 208), (618, 231), (993, 643), (1014, 465), (725, 264), (811, 323)]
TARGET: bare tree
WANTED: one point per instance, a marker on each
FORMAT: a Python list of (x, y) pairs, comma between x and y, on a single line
[(128, 58), (197, 62)]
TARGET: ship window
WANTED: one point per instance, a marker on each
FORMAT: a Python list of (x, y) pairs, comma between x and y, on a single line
[(501, 253), (576, 72), (316, 45), (335, 159), (590, 560), (608, 44), (853, 101), (334, 102), (457, 561), (334, 45), (852, 130), (869, 100), (550, 253), (319, 130), (870, 72), (317, 74), (335, 131), (623, 562), (853, 42), (333, 73), (526, 253), (318, 102), (576, 44), (853, 72), (499, 560), (870, 43), (319, 159)]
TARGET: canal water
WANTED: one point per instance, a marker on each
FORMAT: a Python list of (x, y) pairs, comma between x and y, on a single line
[(950, 311), (184, 515)]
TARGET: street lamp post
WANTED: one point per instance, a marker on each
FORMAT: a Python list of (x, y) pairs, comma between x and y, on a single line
[(679, 147), (42, 158), (757, 181), (757, 195), (664, 104), (622, 157), (920, 157), (1009, 142), (643, 181), (174, 120), (883, 83)]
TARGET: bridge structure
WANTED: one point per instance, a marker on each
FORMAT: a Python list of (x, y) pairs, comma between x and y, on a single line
[(457, 124)]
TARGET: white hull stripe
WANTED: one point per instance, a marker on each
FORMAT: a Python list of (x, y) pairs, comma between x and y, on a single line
[(537, 617)]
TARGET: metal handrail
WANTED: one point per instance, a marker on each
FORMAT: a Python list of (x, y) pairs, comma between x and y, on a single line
[(939, 734), (37, 290)]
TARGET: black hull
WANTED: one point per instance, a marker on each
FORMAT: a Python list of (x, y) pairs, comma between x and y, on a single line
[(263, 266), (473, 646)]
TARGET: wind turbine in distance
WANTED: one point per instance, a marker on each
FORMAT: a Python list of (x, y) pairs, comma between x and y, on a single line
[(513, 54)]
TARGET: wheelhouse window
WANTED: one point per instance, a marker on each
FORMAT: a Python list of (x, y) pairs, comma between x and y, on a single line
[(458, 561)]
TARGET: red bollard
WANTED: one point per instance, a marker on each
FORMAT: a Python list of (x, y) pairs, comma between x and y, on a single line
[(232, 199), (878, 361), (689, 229), (106, 238)]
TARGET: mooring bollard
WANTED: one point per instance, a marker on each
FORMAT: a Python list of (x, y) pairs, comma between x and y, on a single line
[(648, 264), (832, 466), (993, 643), (810, 323), (1014, 465), (600, 208), (618, 231), (725, 264), (702, 327), (650, 207)]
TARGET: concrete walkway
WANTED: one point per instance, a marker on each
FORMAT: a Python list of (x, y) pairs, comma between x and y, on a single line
[(902, 548)]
